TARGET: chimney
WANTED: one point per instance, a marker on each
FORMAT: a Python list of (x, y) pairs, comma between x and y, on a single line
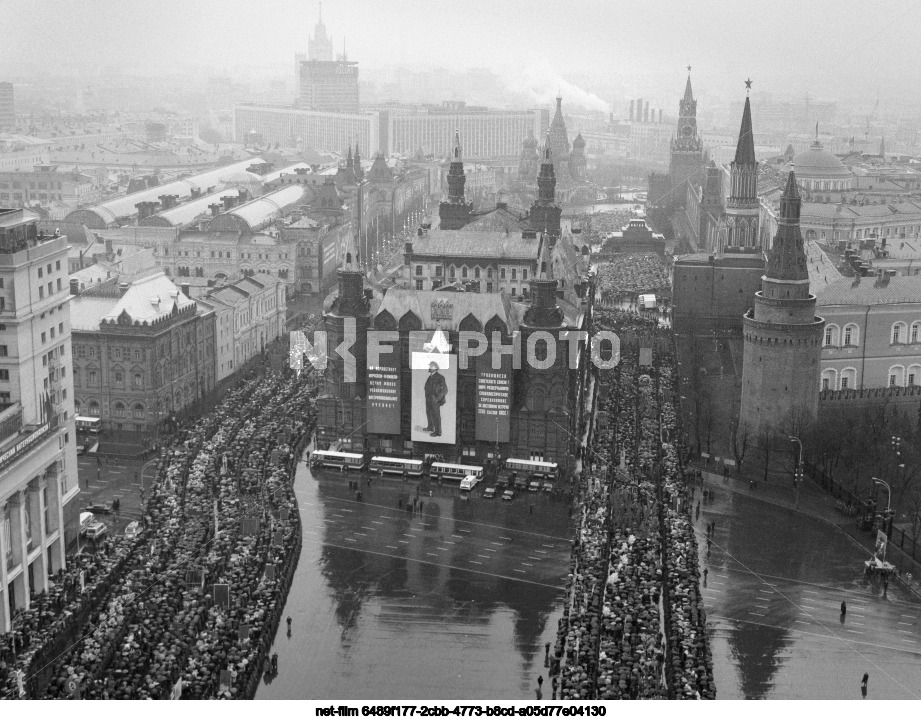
[(639, 111), (631, 110), (74, 286), (185, 290), (242, 195), (215, 208), (123, 287), (168, 201), (229, 201), (408, 252), (109, 250), (145, 209), (646, 112), (660, 116)]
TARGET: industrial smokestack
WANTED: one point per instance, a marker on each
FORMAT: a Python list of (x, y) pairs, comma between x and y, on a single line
[(639, 110), (646, 112), (631, 110)]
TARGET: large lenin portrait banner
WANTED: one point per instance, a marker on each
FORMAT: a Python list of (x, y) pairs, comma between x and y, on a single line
[(434, 397)]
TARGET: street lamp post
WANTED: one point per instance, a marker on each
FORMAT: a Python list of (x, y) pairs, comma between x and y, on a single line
[(798, 476), (887, 524)]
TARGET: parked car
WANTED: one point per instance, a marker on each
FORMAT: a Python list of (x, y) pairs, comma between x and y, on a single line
[(98, 508), (521, 484), (96, 530), (547, 487), (509, 495), (133, 529), (506, 478), (489, 492), (534, 486)]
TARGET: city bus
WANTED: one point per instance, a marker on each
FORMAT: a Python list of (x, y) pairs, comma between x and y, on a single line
[(88, 425), (398, 466), (454, 471), (337, 459), (538, 469)]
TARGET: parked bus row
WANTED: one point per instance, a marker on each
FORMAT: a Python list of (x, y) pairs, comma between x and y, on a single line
[(515, 471)]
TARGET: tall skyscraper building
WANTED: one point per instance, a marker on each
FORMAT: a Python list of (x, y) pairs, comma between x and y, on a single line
[(782, 346), (320, 46), (7, 106), (328, 86), (38, 456), (322, 81)]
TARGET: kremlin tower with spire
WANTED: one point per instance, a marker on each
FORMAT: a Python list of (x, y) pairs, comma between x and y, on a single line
[(782, 335), (455, 212), (687, 157), (739, 231)]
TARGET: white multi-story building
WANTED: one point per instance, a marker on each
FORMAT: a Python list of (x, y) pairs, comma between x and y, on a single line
[(395, 129), (38, 457)]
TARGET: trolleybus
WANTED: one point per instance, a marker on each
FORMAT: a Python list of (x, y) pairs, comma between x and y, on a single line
[(397, 466)]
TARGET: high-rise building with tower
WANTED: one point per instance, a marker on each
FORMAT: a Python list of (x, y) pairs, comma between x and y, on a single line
[(782, 334), (322, 81), (320, 46)]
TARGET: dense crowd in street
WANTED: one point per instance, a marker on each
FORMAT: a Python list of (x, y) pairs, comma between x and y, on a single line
[(199, 593), (629, 274), (634, 625)]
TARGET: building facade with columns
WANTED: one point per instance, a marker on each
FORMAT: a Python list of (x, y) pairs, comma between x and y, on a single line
[(39, 517)]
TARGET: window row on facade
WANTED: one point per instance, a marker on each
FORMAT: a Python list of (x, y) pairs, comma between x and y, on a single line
[(849, 336), (898, 376)]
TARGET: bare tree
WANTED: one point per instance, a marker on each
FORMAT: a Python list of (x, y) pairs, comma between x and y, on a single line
[(767, 438), (739, 442)]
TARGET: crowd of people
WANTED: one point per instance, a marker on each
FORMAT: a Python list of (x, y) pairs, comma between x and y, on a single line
[(634, 626), (629, 274), (191, 605)]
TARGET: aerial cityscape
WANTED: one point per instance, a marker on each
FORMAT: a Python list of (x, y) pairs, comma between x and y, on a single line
[(503, 355)]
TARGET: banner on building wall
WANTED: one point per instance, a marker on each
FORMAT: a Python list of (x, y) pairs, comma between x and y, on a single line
[(493, 399), (384, 393), (434, 397)]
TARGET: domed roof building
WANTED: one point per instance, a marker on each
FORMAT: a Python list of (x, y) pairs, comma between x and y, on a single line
[(818, 169)]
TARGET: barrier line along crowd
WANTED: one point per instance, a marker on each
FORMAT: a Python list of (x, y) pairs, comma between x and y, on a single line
[(634, 626), (190, 606)]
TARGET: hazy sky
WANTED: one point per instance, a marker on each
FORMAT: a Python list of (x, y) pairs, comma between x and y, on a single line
[(834, 49)]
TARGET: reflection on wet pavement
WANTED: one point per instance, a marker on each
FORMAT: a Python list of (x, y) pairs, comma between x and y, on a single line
[(775, 583), (456, 600)]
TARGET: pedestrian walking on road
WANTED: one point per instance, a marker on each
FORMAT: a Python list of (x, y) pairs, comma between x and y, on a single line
[(843, 610), (863, 684), (289, 627), (698, 511), (706, 571)]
